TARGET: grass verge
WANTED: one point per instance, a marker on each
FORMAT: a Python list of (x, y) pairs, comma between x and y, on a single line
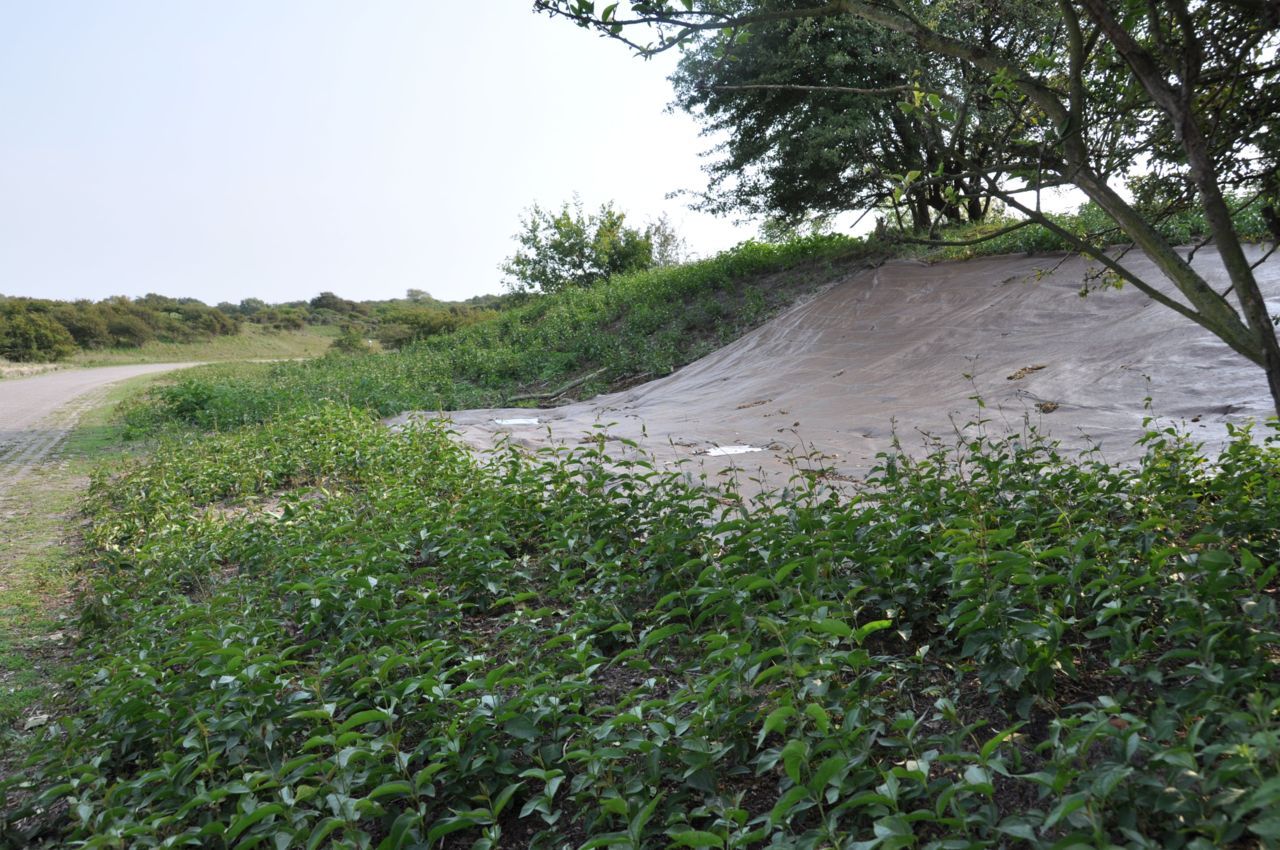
[(252, 343)]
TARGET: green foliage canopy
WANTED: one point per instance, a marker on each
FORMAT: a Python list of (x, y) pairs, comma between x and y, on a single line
[(573, 248), (32, 336), (822, 116)]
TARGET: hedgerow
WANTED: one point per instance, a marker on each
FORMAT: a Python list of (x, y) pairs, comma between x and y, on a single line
[(315, 632)]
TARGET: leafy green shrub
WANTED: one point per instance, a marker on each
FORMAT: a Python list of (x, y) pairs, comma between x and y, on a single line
[(129, 331), (27, 336), (402, 326), (88, 326), (572, 248), (319, 632), (43, 329), (351, 341)]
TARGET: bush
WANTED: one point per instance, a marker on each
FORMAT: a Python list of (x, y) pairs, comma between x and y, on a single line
[(128, 330), (572, 248), (86, 324), (33, 337), (351, 341)]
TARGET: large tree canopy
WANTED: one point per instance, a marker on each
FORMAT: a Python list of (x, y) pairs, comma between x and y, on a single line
[(1184, 96), (884, 110)]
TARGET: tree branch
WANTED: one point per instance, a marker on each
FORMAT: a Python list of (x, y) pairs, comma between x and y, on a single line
[(823, 89)]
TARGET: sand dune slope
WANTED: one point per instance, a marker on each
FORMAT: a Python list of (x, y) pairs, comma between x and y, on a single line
[(904, 348)]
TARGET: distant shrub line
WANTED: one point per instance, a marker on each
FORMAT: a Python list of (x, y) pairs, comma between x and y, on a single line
[(38, 330)]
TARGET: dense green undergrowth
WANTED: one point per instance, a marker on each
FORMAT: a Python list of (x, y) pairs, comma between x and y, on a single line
[(630, 328), (316, 632)]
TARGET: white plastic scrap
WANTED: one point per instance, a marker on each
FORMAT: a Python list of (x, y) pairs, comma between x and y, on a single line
[(717, 451), (533, 421)]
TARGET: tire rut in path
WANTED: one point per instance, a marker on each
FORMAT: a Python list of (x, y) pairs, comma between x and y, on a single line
[(32, 447), (37, 414)]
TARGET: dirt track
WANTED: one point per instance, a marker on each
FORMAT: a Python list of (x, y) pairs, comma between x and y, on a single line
[(37, 413)]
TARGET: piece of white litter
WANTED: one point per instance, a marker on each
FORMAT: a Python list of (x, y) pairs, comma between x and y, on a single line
[(731, 450), (533, 421)]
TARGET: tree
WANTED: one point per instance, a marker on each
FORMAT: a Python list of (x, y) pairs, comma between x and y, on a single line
[(252, 306), (572, 248), (789, 156), (1188, 93)]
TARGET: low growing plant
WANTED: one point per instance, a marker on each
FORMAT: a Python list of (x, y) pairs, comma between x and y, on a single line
[(314, 632)]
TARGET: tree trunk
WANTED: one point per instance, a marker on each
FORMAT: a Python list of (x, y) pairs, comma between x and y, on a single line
[(920, 217)]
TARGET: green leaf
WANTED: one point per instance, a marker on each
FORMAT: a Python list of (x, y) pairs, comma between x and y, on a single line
[(658, 635), (819, 716), (768, 675), (825, 772), (832, 627), (793, 755), (1267, 828), (243, 822), (521, 727), (447, 826), (1017, 827), (400, 834), (870, 628), (696, 838), (500, 802), (322, 830), (788, 802), (398, 788), (996, 740), (776, 721), (1065, 807), (363, 718)]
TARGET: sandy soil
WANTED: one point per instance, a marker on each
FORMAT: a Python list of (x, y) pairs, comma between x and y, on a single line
[(903, 350), (37, 413)]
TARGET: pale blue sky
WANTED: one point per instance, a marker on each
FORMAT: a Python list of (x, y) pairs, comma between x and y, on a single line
[(246, 148)]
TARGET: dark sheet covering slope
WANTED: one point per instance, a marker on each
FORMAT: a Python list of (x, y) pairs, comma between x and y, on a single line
[(904, 349)]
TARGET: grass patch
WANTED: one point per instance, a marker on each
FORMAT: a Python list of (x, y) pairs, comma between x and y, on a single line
[(315, 631), (9, 369), (252, 343)]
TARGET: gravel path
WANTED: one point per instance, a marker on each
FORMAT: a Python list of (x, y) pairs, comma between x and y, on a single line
[(37, 413)]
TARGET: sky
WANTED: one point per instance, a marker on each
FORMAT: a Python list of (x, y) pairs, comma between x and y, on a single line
[(274, 150)]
